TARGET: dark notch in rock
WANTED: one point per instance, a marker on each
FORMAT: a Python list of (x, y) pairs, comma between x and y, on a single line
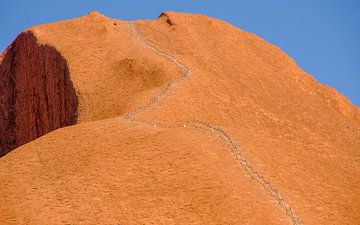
[(167, 19), (36, 93)]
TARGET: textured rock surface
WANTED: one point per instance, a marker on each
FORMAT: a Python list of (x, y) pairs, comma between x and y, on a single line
[(37, 95)]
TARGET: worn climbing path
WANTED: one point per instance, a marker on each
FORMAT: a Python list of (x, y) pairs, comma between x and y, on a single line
[(197, 124)]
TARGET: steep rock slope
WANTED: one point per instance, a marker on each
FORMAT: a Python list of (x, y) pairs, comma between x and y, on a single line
[(301, 136), (111, 73)]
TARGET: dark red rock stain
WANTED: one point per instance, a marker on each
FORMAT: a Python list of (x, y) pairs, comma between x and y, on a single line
[(36, 93)]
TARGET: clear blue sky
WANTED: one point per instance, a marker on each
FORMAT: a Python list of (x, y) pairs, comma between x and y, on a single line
[(323, 36)]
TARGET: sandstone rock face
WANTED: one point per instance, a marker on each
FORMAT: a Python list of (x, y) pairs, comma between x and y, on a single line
[(36, 93)]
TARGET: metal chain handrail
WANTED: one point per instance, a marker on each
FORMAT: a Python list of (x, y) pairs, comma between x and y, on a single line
[(216, 131)]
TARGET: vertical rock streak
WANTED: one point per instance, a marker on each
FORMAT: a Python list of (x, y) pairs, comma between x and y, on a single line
[(36, 93)]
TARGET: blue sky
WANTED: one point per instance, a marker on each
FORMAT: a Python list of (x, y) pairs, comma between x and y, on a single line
[(323, 36)]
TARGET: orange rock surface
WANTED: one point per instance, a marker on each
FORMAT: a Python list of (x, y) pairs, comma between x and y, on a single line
[(301, 136)]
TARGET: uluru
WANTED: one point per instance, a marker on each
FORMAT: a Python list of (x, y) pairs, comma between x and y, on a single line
[(183, 119)]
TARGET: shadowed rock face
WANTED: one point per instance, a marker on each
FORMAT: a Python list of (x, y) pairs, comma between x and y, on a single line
[(36, 93)]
